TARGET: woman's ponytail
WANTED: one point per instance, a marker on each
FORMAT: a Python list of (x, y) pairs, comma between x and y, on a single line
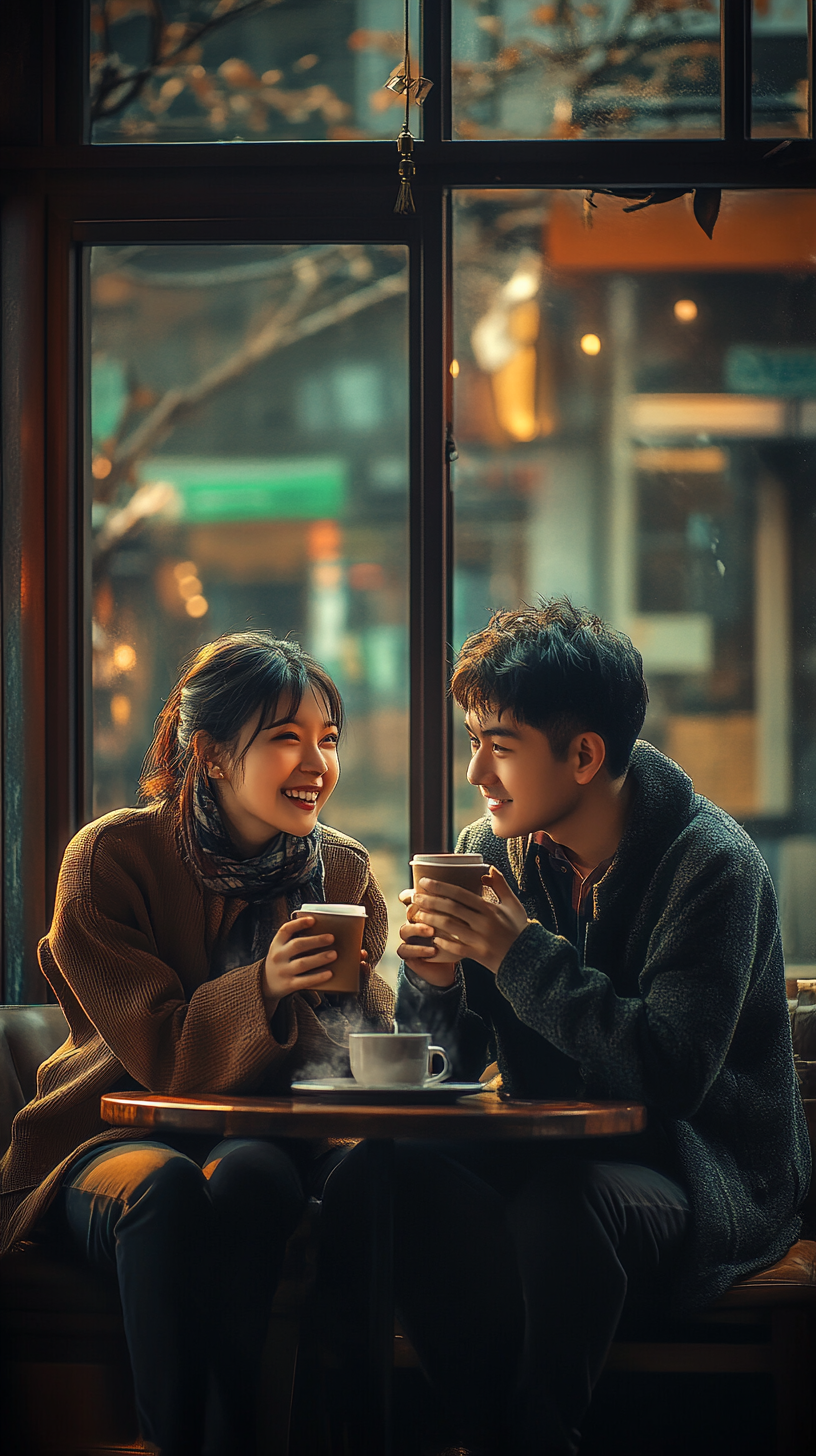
[(163, 767)]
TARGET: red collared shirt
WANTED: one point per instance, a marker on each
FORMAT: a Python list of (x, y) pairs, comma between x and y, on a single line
[(581, 885)]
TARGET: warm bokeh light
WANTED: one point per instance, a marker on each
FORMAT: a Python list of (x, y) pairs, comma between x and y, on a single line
[(120, 709), (685, 310), (124, 657), (101, 467), (591, 344), (185, 568), (189, 587), (454, 368), (197, 606)]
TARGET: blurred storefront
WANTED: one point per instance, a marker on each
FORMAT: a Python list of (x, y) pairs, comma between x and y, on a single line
[(635, 412)]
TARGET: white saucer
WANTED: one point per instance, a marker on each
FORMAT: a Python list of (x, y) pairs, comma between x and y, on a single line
[(347, 1090)]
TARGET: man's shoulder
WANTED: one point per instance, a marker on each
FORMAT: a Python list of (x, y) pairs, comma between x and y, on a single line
[(668, 815), (713, 835)]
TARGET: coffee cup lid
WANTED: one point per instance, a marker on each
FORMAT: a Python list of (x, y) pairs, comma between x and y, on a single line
[(323, 909), (447, 859)]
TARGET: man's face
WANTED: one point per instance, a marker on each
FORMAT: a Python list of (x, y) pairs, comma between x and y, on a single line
[(524, 785)]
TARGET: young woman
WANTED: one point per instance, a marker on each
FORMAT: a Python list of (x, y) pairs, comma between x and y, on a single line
[(174, 956)]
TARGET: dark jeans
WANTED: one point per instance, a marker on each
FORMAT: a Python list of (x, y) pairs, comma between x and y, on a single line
[(512, 1266), (196, 1237)]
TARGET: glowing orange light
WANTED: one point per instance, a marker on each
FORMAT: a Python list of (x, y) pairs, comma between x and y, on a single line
[(101, 467), (120, 710), (454, 368), (324, 541), (124, 657), (197, 606), (189, 587), (591, 344), (185, 568), (685, 310)]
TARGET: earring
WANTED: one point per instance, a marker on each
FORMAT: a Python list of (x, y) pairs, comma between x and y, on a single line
[(215, 773)]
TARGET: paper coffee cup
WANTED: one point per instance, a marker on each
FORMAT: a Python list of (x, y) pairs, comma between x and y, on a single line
[(346, 923), (465, 870)]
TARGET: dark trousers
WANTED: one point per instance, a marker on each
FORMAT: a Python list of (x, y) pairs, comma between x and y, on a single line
[(513, 1264), (196, 1238)]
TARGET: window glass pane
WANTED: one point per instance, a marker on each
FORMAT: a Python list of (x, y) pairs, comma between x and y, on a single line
[(250, 469), (247, 70), (617, 68), (779, 58), (635, 414)]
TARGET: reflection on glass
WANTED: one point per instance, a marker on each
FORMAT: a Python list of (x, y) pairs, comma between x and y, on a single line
[(779, 59), (246, 70), (617, 68), (249, 468), (635, 414)]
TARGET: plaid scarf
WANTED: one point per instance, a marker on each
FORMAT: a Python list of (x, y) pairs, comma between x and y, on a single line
[(291, 864)]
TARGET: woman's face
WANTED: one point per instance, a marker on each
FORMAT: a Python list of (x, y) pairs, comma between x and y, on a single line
[(285, 778)]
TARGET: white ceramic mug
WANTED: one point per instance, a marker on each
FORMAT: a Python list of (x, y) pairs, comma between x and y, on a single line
[(395, 1059)]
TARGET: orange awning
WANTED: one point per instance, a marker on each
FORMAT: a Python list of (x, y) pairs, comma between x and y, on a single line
[(755, 231)]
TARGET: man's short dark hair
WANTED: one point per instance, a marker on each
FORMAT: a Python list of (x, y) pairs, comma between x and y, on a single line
[(559, 669)]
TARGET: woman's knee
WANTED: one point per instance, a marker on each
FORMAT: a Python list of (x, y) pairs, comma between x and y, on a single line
[(255, 1177), (146, 1188)]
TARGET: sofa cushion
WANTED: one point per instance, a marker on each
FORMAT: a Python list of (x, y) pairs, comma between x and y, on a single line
[(28, 1034)]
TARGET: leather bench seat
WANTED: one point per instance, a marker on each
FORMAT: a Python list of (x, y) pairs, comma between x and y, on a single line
[(791, 1281)]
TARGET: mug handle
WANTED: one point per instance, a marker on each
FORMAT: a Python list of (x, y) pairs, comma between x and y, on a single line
[(431, 1081)]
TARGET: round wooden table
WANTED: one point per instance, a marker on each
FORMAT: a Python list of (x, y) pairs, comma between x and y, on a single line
[(484, 1116)]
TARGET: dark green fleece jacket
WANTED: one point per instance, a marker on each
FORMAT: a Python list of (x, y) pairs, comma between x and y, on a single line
[(676, 999)]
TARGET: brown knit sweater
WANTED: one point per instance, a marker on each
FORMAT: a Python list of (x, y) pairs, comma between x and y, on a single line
[(128, 956)]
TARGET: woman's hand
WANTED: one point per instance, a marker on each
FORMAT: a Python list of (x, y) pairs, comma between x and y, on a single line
[(296, 962), (424, 960), (466, 925)]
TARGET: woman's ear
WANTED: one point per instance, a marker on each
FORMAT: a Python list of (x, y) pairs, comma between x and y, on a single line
[(210, 755)]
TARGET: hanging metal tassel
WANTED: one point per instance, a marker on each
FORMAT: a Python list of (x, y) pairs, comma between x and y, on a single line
[(403, 83), (407, 171)]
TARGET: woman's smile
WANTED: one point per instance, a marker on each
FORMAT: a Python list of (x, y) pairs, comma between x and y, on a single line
[(303, 798)]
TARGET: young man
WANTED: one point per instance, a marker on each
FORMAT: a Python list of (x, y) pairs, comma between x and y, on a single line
[(631, 950)]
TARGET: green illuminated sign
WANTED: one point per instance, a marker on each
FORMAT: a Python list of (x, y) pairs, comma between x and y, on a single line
[(215, 489)]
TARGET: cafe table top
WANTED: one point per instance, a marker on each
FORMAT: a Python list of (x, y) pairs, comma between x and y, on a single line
[(482, 1115)]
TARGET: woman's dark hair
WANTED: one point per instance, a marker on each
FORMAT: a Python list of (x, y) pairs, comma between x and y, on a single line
[(559, 669), (223, 686)]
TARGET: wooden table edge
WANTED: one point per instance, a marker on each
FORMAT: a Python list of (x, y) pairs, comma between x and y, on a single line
[(482, 1116)]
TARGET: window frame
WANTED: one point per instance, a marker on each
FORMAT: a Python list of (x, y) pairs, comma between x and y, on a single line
[(61, 193)]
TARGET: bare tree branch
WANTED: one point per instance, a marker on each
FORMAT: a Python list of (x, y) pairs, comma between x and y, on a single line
[(110, 81), (279, 333), (275, 335)]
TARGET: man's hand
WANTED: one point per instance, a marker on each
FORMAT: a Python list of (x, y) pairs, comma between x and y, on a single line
[(465, 925), (424, 960)]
